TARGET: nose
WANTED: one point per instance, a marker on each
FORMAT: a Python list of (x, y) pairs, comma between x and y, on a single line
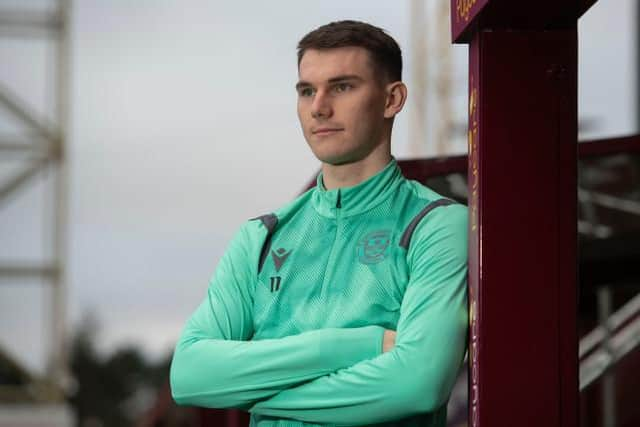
[(321, 106)]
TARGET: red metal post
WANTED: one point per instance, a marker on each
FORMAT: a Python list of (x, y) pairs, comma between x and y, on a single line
[(523, 154), (522, 200)]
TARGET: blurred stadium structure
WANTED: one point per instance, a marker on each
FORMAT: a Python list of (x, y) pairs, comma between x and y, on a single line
[(431, 130), (608, 226), (37, 149)]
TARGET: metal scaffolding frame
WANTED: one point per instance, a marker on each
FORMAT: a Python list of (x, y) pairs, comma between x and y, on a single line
[(44, 149)]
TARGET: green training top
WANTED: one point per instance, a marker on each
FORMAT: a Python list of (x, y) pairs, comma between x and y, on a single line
[(292, 326)]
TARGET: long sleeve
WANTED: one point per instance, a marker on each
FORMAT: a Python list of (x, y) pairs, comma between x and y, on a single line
[(215, 366), (417, 375)]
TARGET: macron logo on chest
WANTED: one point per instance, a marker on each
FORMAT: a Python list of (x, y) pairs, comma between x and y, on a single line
[(279, 257)]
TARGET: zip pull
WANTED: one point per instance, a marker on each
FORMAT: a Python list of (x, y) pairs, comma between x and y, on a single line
[(339, 200)]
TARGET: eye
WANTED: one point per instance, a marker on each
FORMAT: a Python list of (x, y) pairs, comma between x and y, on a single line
[(342, 87), (305, 92)]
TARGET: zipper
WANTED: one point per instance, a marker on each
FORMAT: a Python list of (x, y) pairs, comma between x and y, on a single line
[(330, 270)]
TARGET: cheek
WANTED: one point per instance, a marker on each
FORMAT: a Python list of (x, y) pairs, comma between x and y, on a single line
[(302, 116), (366, 116), (299, 110), (305, 120)]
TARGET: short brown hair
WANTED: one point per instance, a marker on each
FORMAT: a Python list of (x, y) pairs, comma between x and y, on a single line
[(382, 48)]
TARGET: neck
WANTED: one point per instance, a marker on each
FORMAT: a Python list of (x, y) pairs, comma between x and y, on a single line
[(350, 174)]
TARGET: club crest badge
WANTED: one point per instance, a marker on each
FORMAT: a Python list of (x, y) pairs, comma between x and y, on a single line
[(374, 247)]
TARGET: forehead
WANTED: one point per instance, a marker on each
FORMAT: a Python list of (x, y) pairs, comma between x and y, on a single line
[(320, 65)]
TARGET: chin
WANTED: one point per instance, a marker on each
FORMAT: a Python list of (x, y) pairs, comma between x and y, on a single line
[(336, 159), (337, 151), (327, 152)]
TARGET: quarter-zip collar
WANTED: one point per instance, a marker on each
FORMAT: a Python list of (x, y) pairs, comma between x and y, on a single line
[(358, 198)]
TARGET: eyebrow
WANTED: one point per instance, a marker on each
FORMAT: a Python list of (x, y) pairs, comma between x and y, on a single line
[(337, 79), (345, 77)]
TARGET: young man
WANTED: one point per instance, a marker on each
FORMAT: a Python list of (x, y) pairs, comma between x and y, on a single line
[(300, 321)]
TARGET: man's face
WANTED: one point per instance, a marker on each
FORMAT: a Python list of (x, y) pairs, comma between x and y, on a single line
[(340, 104)]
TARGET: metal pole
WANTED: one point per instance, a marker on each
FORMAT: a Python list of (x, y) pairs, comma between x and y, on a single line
[(59, 366), (637, 24), (21, 178), (523, 144), (443, 46), (418, 117), (27, 115), (608, 380)]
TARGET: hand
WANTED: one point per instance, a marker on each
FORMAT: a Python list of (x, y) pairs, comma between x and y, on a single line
[(388, 340)]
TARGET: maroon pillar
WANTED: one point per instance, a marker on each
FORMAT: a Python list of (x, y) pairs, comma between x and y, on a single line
[(523, 145), (523, 226)]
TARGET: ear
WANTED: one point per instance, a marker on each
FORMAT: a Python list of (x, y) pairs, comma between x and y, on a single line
[(396, 97)]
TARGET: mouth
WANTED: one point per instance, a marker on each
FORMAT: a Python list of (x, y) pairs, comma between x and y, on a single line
[(326, 131)]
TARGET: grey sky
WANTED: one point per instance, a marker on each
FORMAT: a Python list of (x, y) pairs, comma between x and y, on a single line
[(183, 126)]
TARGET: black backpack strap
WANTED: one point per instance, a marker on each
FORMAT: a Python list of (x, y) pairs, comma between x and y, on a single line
[(270, 221), (408, 232)]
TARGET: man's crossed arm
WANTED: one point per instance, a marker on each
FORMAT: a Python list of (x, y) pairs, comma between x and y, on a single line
[(214, 364), (335, 375), (224, 372)]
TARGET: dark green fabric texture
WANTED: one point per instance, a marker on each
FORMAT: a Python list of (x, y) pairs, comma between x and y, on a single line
[(299, 342)]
